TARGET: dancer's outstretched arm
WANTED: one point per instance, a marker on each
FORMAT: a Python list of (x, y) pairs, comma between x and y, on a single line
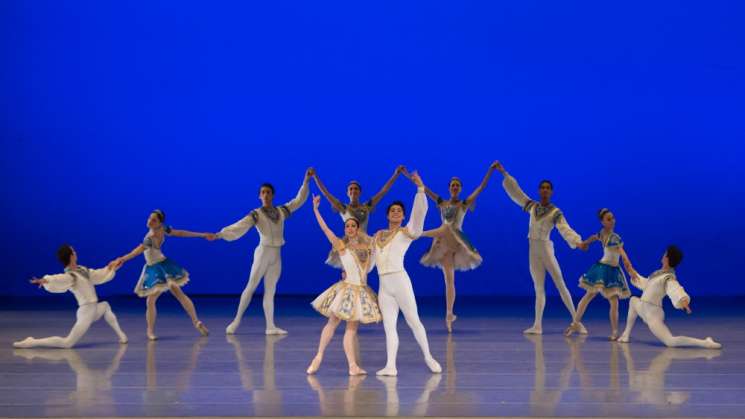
[(105, 274), (419, 209), (387, 187), (485, 181), (338, 244), (430, 193), (187, 233), (302, 195), (57, 284), (335, 203), (513, 190), (137, 251), (573, 239)]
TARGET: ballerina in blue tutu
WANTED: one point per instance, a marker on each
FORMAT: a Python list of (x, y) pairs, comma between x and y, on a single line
[(161, 274), (604, 277)]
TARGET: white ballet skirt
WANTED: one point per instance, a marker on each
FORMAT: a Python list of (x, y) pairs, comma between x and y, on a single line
[(350, 299)]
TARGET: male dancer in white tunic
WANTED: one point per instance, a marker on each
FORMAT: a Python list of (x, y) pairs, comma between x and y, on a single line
[(649, 307), (269, 221), (81, 282), (396, 292), (544, 216)]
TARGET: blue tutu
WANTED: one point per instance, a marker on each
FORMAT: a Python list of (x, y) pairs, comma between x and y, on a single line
[(160, 276), (608, 280)]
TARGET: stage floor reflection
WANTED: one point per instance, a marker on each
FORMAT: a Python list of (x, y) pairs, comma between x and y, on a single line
[(489, 367)]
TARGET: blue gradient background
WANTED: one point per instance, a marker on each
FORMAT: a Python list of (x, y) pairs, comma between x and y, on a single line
[(111, 110)]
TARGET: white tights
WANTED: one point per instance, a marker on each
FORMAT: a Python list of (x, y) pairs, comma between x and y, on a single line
[(267, 264), (654, 316), (396, 293), (542, 259), (86, 315)]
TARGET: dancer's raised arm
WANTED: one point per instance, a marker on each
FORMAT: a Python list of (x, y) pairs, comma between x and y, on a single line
[(338, 244), (302, 195), (512, 188), (430, 193), (485, 181), (415, 225), (387, 187), (335, 203)]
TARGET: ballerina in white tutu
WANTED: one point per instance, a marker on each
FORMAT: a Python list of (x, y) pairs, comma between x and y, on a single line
[(349, 299)]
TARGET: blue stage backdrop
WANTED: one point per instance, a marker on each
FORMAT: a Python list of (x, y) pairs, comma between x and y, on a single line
[(113, 109)]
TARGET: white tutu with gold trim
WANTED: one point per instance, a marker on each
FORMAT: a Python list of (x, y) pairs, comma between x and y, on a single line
[(349, 302)]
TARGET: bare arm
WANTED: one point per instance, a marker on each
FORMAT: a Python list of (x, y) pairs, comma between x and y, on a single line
[(335, 203), (187, 233), (485, 181), (338, 244), (430, 193), (137, 251), (387, 187)]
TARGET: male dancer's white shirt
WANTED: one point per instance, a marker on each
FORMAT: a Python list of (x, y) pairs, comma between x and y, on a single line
[(540, 227), (271, 234), (80, 282), (390, 258)]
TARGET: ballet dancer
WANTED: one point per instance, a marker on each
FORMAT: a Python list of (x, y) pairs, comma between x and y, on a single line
[(81, 282), (356, 209), (649, 307), (161, 274), (267, 263), (544, 216), (451, 249), (604, 277), (349, 299), (396, 292)]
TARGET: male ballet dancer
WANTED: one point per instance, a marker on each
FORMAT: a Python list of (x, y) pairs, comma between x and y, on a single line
[(544, 216), (396, 292), (269, 221), (81, 282), (649, 307)]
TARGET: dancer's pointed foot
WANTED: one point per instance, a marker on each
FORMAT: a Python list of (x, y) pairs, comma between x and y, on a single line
[(623, 338), (613, 336), (151, 335), (581, 329), (275, 331), (314, 365), (123, 338), (535, 330), (201, 328), (388, 372), (449, 320), (713, 344), (573, 327), (433, 365), (356, 370), (232, 327), (25, 343)]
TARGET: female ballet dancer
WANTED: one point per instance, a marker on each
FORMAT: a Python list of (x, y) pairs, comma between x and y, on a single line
[(81, 282), (451, 248), (161, 274), (396, 293), (544, 216), (360, 211), (349, 299), (604, 277), (649, 306), (270, 223)]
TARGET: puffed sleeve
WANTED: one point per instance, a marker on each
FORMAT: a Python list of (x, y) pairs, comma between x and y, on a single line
[(59, 283), (101, 276), (299, 199), (639, 281), (676, 293), (415, 226), (572, 238), (333, 259), (615, 241), (237, 230), (515, 193)]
